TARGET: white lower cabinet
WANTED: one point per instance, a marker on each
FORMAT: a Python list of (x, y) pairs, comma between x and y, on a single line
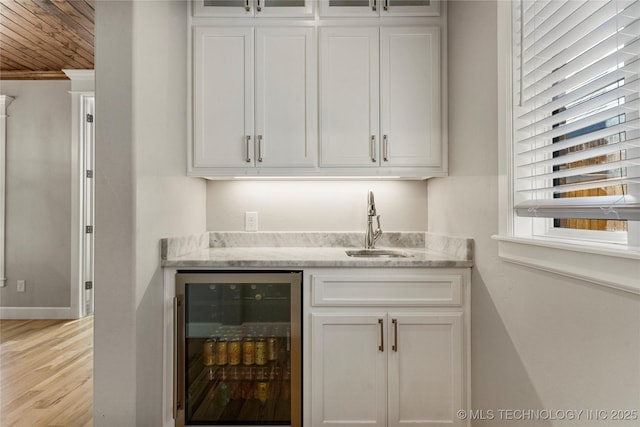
[(349, 371), (400, 364), (425, 367)]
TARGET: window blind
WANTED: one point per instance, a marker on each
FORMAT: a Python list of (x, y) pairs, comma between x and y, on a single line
[(577, 108)]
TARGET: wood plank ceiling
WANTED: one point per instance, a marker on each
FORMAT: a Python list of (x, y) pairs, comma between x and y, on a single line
[(40, 38)]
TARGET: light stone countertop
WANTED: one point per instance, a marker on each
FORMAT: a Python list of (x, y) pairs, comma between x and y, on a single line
[(313, 249)]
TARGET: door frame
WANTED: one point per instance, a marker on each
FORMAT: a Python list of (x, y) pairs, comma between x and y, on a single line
[(82, 88)]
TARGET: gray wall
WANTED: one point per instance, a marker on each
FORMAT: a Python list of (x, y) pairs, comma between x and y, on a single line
[(539, 341), (142, 195), (38, 194)]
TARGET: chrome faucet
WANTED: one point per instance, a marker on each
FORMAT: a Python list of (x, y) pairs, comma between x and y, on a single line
[(371, 236)]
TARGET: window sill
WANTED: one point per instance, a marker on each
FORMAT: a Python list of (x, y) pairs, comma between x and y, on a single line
[(605, 265)]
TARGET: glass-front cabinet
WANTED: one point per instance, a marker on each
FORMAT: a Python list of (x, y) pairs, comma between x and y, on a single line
[(373, 8), (253, 8), (238, 348)]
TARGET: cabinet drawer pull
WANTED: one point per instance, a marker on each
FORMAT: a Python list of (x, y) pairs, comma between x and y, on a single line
[(246, 6), (372, 149), (247, 142), (386, 5), (259, 138), (381, 323), (374, 5), (385, 148), (395, 335), (258, 7)]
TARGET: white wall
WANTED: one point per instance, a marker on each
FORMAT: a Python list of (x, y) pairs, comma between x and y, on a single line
[(114, 356), (142, 195), (316, 205), (38, 193), (539, 341)]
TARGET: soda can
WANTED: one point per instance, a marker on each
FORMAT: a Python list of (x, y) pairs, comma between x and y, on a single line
[(262, 391), (248, 351), (261, 351), (221, 352), (209, 352), (272, 348), (235, 351)]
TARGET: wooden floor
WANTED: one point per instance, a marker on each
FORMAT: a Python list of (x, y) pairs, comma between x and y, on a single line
[(46, 373)]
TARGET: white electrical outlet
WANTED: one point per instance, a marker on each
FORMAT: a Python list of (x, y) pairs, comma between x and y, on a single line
[(21, 285), (251, 221)]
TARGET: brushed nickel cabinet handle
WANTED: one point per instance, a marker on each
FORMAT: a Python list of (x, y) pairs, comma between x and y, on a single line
[(395, 335), (381, 323), (246, 6), (385, 148), (247, 143), (259, 138), (372, 149), (177, 321)]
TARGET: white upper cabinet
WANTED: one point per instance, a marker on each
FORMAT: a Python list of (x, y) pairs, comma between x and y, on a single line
[(374, 8), (380, 97), (250, 115), (288, 96), (253, 8), (410, 96), (285, 120), (349, 96), (223, 97)]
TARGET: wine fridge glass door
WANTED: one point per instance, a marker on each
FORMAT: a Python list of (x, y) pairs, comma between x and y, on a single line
[(238, 349)]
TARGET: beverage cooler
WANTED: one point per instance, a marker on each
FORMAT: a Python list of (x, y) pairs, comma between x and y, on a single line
[(237, 349)]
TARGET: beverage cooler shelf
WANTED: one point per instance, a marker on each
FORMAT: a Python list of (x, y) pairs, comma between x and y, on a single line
[(234, 396), (238, 394)]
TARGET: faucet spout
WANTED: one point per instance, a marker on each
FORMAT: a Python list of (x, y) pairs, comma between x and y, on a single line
[(372, 236)]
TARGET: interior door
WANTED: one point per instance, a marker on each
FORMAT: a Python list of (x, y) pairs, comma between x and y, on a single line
[(88, 203)]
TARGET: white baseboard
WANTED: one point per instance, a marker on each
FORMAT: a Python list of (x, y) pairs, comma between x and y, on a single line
[(37, 313)]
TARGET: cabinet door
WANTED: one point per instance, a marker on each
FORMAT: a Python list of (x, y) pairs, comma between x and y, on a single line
[(284, 8), (223, 8), (223, 97), (426, 367), (348, 376), (349, 100), (285, 97), (410, 8), (251, 8), (410, 96), (359, 8), (355, 8)]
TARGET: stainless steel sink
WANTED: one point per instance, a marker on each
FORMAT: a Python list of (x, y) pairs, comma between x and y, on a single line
[(377, 253)]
